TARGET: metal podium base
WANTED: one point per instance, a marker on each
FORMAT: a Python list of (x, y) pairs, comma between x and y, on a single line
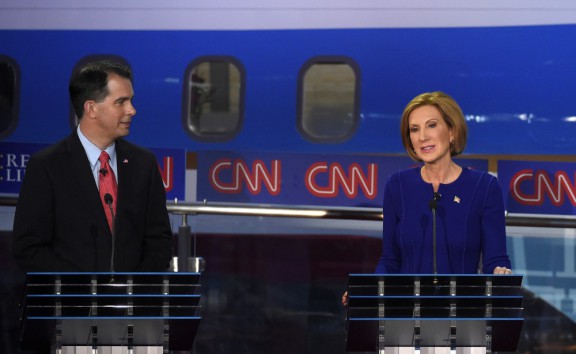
[(434, 350), (109, 350)]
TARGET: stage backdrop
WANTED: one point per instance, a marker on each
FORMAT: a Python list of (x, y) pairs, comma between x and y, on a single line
[(300, 179)]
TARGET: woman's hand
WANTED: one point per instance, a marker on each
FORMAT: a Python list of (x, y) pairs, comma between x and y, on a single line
[(345, 299), (502, 270)]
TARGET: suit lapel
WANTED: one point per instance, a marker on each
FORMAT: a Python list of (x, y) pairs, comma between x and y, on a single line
[(123, 178), (81, 173)]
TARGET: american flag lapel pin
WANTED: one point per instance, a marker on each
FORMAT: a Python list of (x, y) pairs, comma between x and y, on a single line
[(125, 161), (456, 199)]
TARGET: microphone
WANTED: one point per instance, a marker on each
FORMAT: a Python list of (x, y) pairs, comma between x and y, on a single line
[(108, 200), (104, 172), (433, 204)]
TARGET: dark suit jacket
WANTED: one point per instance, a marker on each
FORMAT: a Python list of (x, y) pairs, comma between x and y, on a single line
[(60, 223)]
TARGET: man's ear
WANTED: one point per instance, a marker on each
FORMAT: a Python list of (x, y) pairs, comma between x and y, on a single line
[(90, 108)]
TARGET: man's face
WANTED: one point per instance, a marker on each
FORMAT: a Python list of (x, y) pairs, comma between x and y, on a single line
[(114, 114)]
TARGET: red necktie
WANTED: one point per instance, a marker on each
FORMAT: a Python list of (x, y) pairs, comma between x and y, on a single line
[(107, 185)]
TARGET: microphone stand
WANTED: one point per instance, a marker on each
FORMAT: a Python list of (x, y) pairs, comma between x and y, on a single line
[(109, 200), (433, 205), (434, 244)]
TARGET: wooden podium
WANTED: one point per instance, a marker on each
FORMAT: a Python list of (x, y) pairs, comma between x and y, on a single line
[(110, 309), (434, 311)]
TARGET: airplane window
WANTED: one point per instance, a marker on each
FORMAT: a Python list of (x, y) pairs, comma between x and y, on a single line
[(9, 95), (73, 119), (328, 99), (213, 98)]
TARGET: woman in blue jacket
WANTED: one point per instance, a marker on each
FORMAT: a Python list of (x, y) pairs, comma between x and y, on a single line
[(440, 217), (470, 230)]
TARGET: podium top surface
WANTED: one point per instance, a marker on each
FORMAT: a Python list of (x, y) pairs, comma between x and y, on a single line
[(431, 284), (513, 280), (137, 274), (508, 279), (45, 278)]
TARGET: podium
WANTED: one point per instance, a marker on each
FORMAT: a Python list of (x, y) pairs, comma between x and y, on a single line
[(434, 311), (110, 309)]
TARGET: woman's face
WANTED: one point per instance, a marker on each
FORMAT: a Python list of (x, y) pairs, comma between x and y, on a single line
[(429, 134)]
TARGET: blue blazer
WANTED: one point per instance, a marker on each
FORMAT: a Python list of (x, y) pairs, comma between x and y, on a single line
[(470, 225), (60, 223)]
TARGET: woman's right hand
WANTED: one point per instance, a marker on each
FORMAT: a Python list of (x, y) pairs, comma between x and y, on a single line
[(502, 270)]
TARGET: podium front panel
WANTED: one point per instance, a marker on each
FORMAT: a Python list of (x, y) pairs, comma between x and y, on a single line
[(434, 311), (111, 309)]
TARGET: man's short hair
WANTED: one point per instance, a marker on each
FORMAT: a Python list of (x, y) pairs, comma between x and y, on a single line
[(90, 82)]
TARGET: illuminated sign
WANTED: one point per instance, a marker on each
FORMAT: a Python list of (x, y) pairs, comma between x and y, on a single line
[(240, 176), (300, 179), (340, 179), (538, 187)]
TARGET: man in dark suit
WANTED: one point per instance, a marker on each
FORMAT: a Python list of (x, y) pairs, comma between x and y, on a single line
[(61, 222)]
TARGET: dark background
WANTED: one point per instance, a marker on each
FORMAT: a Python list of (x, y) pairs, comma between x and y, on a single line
[(281, 295)]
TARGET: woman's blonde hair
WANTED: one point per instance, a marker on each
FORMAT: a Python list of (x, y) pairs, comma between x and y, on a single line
[(451, 113)]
